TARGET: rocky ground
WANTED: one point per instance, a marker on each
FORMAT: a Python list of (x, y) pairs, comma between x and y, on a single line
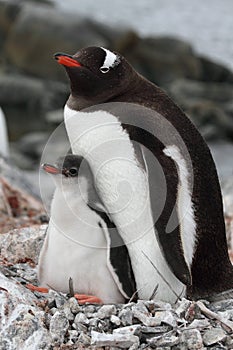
[(31, 321)]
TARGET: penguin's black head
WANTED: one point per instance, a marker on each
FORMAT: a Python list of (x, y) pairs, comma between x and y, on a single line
[(97, 74), (68, 166)]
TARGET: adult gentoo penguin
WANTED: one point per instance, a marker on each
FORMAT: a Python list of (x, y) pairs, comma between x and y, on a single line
[(78, 244), (131, 131)]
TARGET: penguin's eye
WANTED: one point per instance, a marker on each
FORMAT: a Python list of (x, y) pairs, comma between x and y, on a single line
[(73, 171), (104, 69)]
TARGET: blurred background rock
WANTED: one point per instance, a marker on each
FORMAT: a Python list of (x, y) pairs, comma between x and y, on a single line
[(152, 35)]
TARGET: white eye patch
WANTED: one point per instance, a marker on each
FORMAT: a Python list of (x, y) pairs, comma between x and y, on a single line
[(111, 60)]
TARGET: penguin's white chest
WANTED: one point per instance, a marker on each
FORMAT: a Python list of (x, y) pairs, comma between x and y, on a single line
[(75, 247)]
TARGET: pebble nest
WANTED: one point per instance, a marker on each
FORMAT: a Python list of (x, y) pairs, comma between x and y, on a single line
[(57, 321)]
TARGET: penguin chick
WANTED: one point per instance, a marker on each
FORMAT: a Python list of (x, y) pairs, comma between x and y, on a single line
[(76, 244)]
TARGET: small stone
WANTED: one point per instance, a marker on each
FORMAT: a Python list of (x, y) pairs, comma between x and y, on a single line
[(115, 320), (141, 313), (134, 347), (222, 305), (213, 336), (126, 316), (229, 342), (79, 327), (183, 306), (106, 311), (84, 338), (90, 310), (58, 327), (155, 330), (128, 329), (53, 310), (39, 338), (165, 340), (73, 335), (162, 305), (200, 324), (81, 318), (141, 307), (74, 305), (117, 339), (191, 340), (59, 298), (69, 315), (166, 317)]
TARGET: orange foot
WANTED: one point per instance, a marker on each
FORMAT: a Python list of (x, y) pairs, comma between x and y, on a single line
[(91, 299), (36, 289)]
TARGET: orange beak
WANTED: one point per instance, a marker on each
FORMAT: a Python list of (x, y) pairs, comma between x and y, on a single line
[(51, 169), (66, 60)]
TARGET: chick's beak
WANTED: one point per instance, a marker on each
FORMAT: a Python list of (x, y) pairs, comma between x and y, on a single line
[(66, 60), (51, 169)]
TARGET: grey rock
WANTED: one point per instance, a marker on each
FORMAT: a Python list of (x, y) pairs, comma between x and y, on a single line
[(40, 339), (215, 72), (8, 13), (56, 298), (126, 316), (58, 327), (106, 311), (73, 335), (165, 340), (16, 178), (166, 317), (90, 311), (213, 336), (79, 327), (47, 29), (146, 320), (115, 320), (22, 243), (66, 309), (99, 325), (24, 325), (191, 340), (207, 105), (84, 338), (74, 305), (32, 144), (133, 329), (13, 295), (55, 117), (164, 59), (119, 340), (199, 324), (134, 347), (155, 330), (229, 342), (81, 318), (182, 307)]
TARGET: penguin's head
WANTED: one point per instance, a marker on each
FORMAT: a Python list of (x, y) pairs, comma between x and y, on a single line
[(96, 73), (68, 170)]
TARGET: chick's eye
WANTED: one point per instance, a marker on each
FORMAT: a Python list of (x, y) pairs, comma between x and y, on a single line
[(73, 171), (104, 69)]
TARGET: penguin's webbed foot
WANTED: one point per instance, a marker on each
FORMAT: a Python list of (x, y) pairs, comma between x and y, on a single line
[(91, 299), (36, 289)]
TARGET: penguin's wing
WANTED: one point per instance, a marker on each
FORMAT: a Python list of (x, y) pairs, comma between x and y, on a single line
[(118, 260), (103, 135)]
